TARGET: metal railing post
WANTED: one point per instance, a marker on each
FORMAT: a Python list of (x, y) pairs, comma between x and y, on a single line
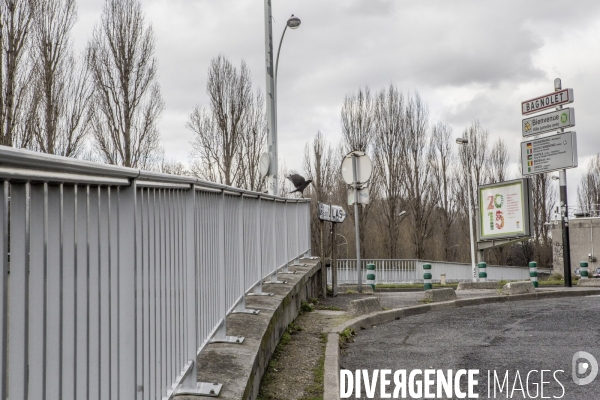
[(275, 266), (258, 288), (127, 317), (297, 241), (241, 306), (221, 333), (191, 298), (285, 269)]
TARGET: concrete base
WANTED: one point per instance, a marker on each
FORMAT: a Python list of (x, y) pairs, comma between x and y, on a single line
[(364, 306), (522, 287), (477, 285), (365, 288), (590, 282), (240, 368), (437, 295)]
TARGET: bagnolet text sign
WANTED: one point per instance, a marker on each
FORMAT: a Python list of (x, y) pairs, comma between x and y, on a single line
[(550, 153), (548, 122), (504, 210), (547, 101)]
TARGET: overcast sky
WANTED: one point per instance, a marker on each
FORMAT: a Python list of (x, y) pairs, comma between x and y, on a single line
[(468, 60)]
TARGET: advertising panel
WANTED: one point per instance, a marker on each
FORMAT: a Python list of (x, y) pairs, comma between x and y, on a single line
[(504, 210)]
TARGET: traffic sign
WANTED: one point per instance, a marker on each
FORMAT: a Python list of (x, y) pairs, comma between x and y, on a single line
[(324, 212), (551, 100), (552, 121), (363, 167), (550, 153), (338, 214), (363, 196), (327, 212)]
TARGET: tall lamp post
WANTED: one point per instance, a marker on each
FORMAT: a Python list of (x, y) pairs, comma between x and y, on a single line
[(271, 88), (462, 142)]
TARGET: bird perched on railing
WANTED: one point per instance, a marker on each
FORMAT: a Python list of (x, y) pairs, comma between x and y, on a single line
[(299, 183)]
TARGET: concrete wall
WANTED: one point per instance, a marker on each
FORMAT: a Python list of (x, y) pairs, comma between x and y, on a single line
[(584, 235)]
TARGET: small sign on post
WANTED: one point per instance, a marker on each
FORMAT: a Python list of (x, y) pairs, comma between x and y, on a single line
[(547, 101), (549, 122), (550, 153)]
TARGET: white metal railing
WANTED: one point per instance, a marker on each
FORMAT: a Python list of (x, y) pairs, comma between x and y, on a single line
[(113, 279), (407, 271)]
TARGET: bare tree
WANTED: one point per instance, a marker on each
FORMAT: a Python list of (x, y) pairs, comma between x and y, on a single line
[(15, 21), (588, 191), (321, 166), (357, 121), (357, 117), (230, 133), (420, 188), (59, 109), (445, 180), (253, 145), (127, 99), (544, 199), (498, 163), (389, 121)]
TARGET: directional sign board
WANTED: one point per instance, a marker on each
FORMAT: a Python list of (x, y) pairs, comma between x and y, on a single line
[(327, 212), (551, 100), (552, 121), (338, 214), (550, 153), (504, 210), (324, 212)]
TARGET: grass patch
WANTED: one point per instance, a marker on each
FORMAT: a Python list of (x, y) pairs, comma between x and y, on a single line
[(346, 336), (426, 301), (274, 367), (315, 391), (306, 306)]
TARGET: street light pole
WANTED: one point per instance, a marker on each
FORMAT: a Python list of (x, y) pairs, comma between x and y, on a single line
[(292, 23), (271, 106), (462, 142)]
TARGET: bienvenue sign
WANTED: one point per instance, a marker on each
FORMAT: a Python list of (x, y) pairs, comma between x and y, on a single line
[(552, 121)]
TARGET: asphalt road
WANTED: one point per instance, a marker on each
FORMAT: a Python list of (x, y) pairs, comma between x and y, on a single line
[(513, 336)]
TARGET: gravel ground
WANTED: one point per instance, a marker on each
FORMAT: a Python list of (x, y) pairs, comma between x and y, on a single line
[(290, 375)]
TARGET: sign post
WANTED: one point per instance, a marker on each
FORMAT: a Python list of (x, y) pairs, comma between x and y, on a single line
[(564, 209), (335, 215), (356, 170), (551, 153)]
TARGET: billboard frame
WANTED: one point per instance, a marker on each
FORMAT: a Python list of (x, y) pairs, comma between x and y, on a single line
[(526, 198)]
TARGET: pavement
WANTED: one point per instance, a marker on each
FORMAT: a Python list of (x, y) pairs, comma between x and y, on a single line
[(389, 300), (512, 339)]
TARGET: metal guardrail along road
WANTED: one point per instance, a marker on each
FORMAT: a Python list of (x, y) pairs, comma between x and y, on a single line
[(405, 271), (113, 279)]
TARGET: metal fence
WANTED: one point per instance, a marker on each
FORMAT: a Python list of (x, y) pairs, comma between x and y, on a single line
[(113, 279), (407, 271)]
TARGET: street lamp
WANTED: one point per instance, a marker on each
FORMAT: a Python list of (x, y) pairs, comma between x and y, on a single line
[(292, 23), (464, 141), (402, 214), (271, 89)]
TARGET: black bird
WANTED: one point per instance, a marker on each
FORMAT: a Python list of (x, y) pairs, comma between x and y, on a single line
[(299, 183)]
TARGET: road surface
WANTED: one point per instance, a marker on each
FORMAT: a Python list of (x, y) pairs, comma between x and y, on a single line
[(510, 341)]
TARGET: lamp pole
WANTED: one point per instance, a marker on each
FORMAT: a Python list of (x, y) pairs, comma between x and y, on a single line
[(271, 106), (271, 88), (462, 142)]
